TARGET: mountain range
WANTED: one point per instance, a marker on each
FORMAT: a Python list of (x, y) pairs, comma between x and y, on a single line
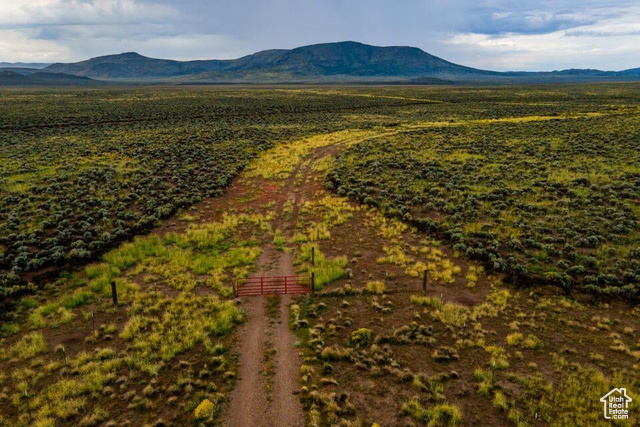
[(342, 62), (34, 65)]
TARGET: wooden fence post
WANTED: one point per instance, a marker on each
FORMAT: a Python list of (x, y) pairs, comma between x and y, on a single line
[(114, 293), (424, 282), (493, 373), (313, 256), (285, 285), (261, 285), (313, 283)]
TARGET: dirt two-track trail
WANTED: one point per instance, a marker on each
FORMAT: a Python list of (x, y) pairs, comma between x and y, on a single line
[(253, 402), (261, 397)]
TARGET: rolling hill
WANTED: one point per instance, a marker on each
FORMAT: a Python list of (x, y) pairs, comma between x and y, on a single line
[(131, 65), (9, 77), (348, 62)]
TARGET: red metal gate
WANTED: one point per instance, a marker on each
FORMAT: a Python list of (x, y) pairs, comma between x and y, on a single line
[(273, 285)]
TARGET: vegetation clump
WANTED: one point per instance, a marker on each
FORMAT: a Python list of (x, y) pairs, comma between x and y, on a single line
[(204, 410), (326, 270), (362, 337), (376, 287), (440, 415), (29, 346)]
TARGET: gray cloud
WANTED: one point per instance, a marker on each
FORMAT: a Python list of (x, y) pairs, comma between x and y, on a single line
[(506, 32), (595, 33), (497, 21)]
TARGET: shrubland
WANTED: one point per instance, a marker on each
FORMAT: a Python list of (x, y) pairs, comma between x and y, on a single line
[(549, 198), (82, 170)]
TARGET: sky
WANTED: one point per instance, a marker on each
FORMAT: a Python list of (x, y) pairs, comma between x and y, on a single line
[(536, 35)]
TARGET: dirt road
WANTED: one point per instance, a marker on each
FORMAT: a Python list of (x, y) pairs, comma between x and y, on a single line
[(262, 398), (247, 400)]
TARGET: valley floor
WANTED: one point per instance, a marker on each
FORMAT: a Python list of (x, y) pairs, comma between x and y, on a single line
[(370, 347)]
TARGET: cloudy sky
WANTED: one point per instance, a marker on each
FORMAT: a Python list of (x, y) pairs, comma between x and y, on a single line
[(492, 34)]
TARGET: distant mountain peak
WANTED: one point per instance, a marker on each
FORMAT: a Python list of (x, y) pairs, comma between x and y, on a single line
[(130, 55), (118, 56)]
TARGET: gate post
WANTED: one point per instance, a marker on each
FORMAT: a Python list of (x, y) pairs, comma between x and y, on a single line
[(261, 285)]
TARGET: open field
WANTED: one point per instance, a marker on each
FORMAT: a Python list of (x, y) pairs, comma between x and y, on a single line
[(520, 203)]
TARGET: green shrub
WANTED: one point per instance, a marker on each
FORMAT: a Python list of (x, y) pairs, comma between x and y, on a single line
[(9, 329), (376, 287), (362, 337)]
